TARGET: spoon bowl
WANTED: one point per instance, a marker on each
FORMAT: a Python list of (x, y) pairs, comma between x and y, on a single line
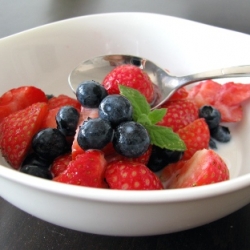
[(98, 67)]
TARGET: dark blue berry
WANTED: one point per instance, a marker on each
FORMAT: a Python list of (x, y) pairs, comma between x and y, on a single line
[(131, 139), (34, 159), (90, 94), (115, 109), (49, 96), (36, 171), (161, 157), (94, 134), (221, 134), (212, 144), (67, 119), (136, 61), (211, 115), (49, 143)]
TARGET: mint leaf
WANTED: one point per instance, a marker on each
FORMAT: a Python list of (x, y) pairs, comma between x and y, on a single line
[(164, 137), (144, 119), (156, 115), (138, 101)]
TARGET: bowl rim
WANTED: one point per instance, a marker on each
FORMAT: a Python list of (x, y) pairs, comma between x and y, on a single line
[(141, 13), (127, 196)]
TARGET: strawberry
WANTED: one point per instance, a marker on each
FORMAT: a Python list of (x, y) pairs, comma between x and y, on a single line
[(232, 94), (17, 131), (227, 98), (130, 76), (203, 168), (112, 155), (60, 164), (127, 175), (20, 98), (86, 170), (181, 93), (179, 114), (50, 120), (229, 113), (63, 100), (204, 93), (84, 115), (196, 136)]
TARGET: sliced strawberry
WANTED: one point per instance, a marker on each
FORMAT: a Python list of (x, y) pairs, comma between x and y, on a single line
[(20, 98), (205, 167), (63, 100), (227, 98), (179, 114), (130, 76), (17, 131), (50, 120), (196, 136), (229, 113), (127, 175), (60, 164), (232, 94), (111, 155), (86, 170), (181, 93), (84, 115), (204, 93)]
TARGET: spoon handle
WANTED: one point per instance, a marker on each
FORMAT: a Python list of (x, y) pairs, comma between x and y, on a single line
[(237, 71)]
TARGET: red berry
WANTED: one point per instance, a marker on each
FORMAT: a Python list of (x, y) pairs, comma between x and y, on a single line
[(130, 76), (50, 119), (127, 175), (86, 170), (63, 100), (181, 93), (84, 115), (205, 167), (227, 98), (196, 136), (179, 114), (60, 164), (17, 131), (20, 98)]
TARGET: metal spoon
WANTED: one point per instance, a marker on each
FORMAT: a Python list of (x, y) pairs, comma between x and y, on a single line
[(97, 68)]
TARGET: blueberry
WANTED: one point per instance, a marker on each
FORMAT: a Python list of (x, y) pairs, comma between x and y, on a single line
[(212, 144), (94, 134), (49, 96), (131, 139), (211, 115), (115, 109), (90, 94), (36, 171), (161, 157), (136, 61), (49, 143), (67, 119), (221, 134), (34, 159)]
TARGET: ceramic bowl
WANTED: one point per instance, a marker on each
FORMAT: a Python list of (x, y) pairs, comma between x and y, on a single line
[(44, 57)]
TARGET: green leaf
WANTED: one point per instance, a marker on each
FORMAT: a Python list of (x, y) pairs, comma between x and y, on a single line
[(144, 119), (138, 101), (164, 137), (156, 115)]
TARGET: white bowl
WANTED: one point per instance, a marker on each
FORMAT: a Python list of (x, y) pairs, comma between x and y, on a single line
[(44, 56)]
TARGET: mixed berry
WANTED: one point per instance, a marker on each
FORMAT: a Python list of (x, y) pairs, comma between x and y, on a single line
[(108, 137)]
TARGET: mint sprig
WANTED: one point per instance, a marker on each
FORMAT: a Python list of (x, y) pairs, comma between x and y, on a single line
[(160, 136)]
